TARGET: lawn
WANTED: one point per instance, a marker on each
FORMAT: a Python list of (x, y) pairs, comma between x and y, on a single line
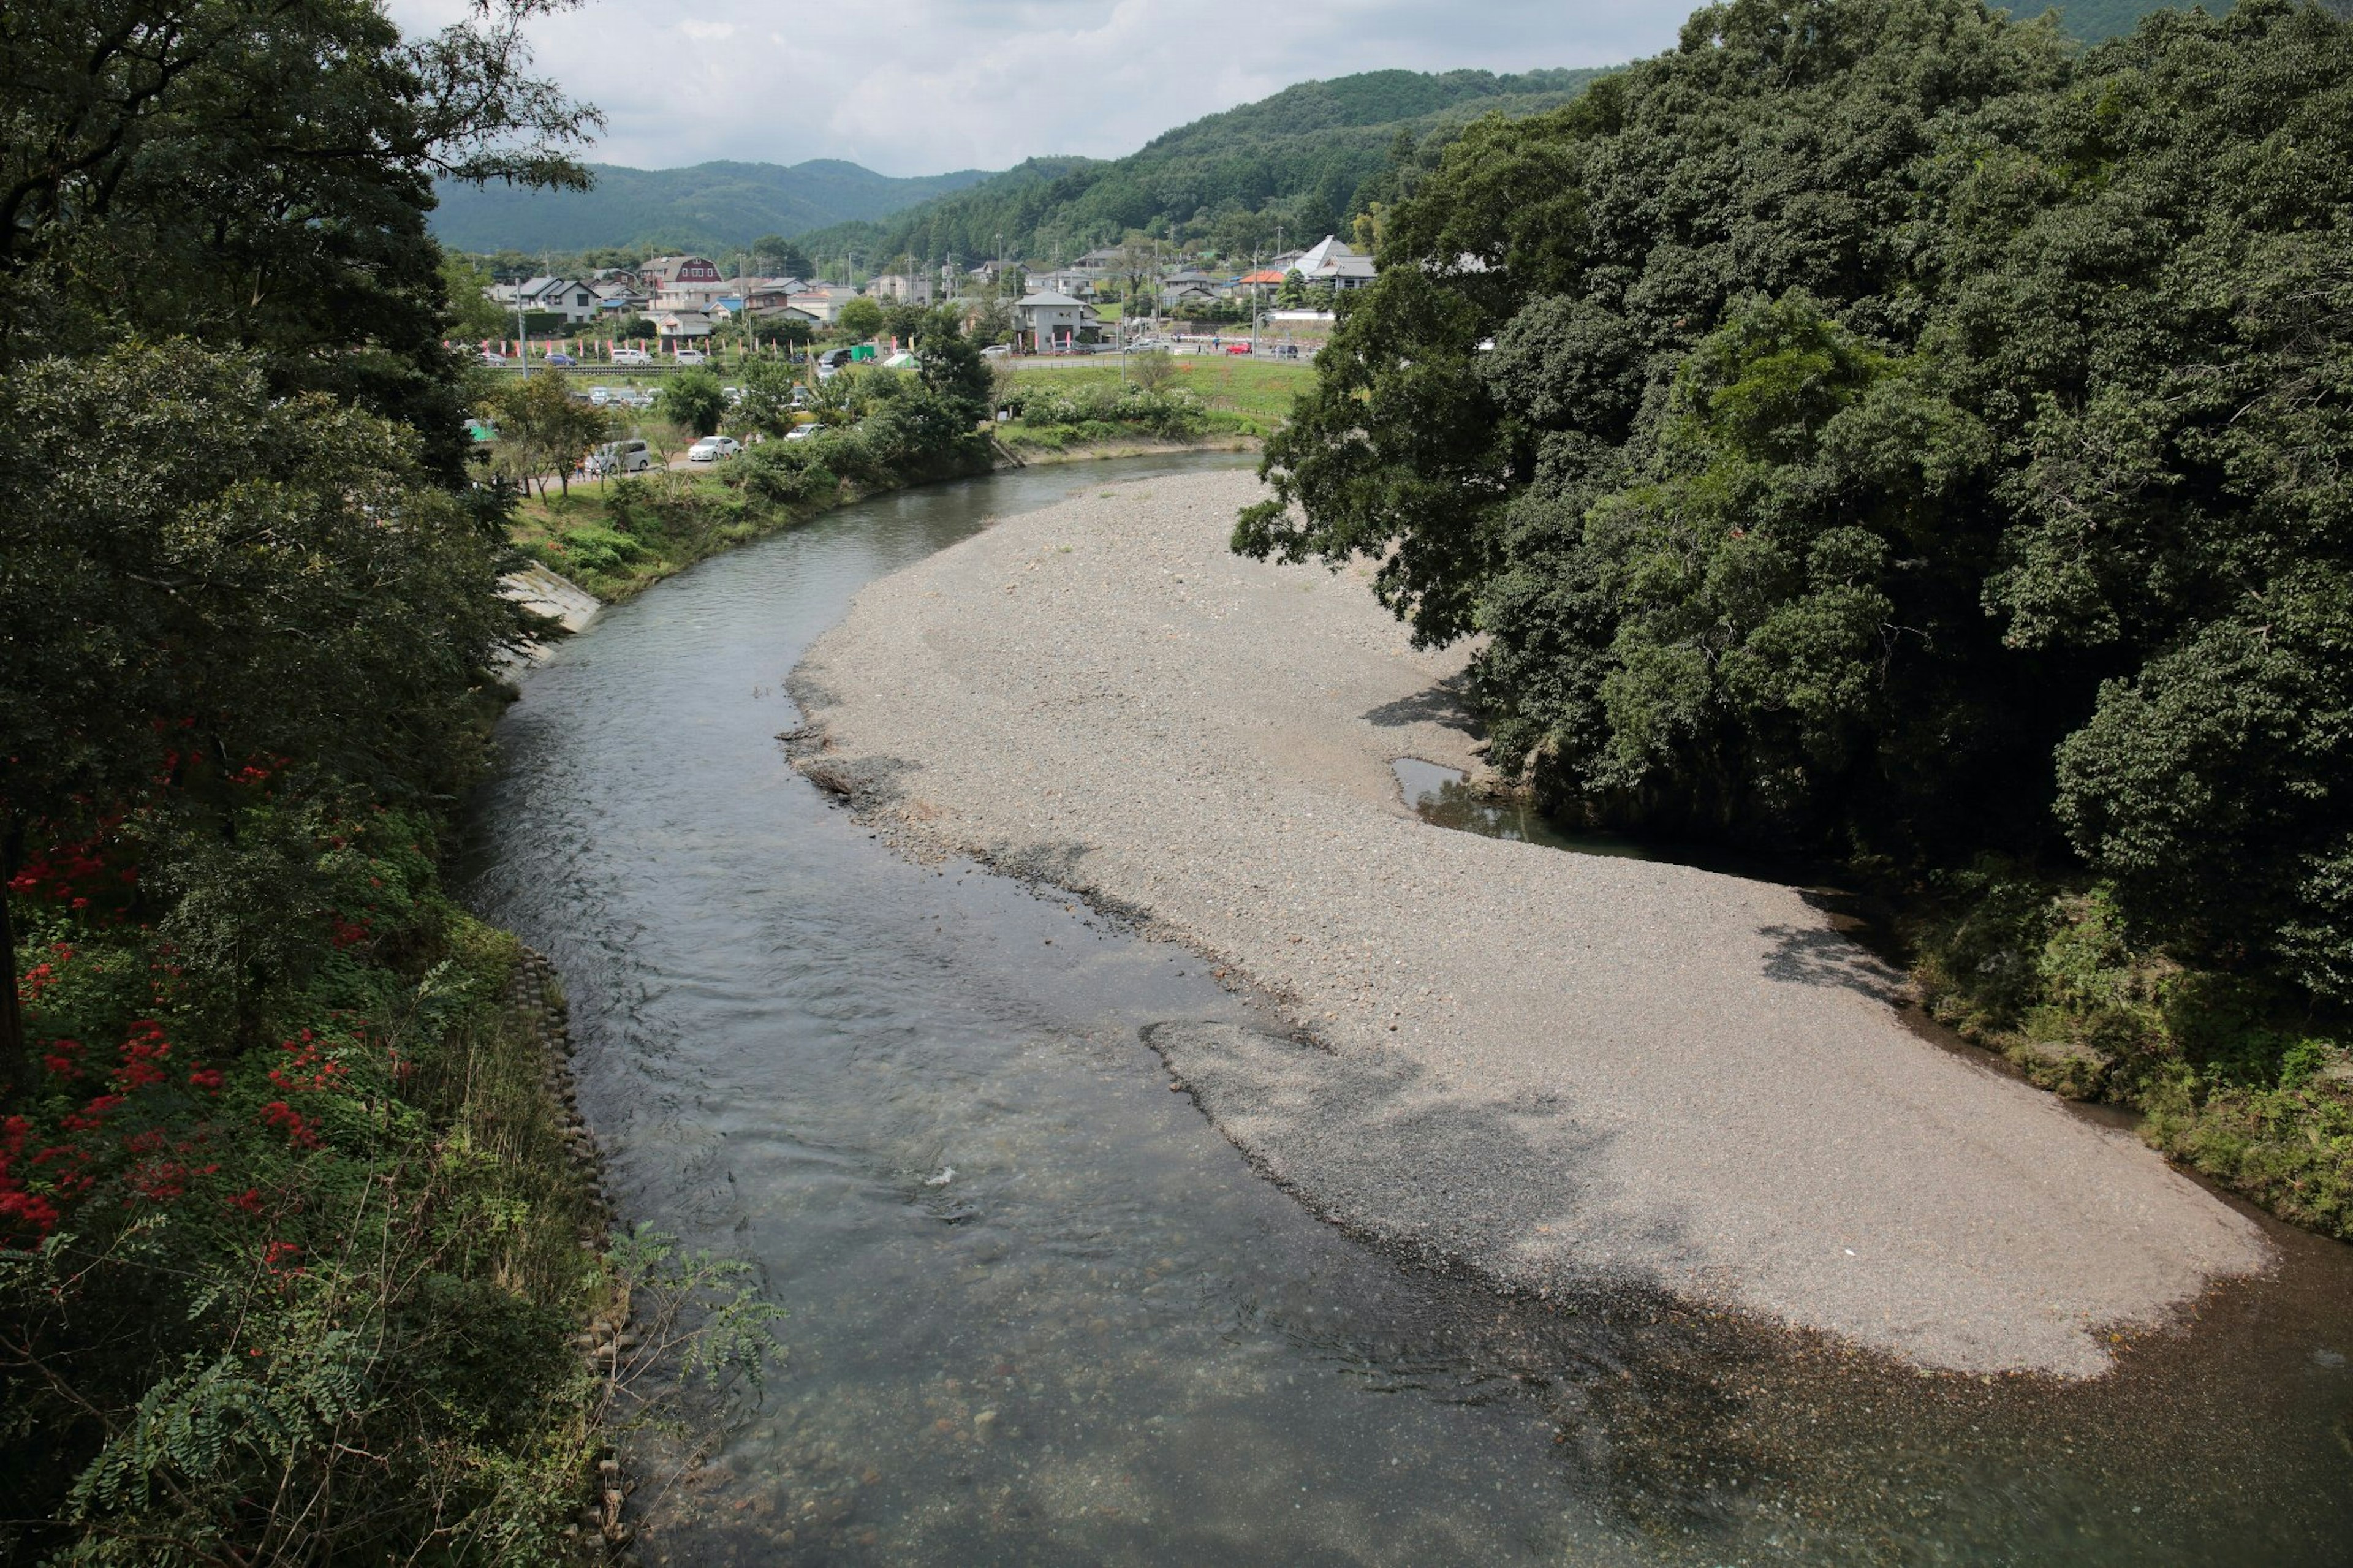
[(1260, 390)]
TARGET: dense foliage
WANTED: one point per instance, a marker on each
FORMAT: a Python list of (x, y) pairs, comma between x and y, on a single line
[(288, 1243), (1295, 161), (1881, 426), (713, 208)]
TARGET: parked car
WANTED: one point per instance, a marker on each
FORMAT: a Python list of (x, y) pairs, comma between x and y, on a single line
[(834, 358), (619, 457), (493, 356), (802, 432), (691, 356), (995, 350), (632, 356), (559, 357), (733, 394), (711, 449), (600, 396), (1145, 345)]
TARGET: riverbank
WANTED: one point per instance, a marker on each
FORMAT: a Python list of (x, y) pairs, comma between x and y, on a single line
[(1564, 1072), (618, 538)]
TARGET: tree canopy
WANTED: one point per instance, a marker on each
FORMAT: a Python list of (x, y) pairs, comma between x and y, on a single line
[(1881, 425)]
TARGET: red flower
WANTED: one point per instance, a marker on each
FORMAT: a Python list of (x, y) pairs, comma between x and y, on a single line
[(205, 1078), (278, 1113), (249, 1200)]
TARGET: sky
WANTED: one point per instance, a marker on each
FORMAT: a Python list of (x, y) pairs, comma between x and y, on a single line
[(924, 86)]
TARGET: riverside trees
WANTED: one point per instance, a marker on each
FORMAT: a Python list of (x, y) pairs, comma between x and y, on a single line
[(247, 622), (1875, 424)]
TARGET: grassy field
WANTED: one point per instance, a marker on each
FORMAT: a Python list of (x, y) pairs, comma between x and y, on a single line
[(1259, 390)]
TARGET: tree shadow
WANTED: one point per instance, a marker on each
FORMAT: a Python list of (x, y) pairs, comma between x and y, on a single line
[(1447, 703), (1815, 955)]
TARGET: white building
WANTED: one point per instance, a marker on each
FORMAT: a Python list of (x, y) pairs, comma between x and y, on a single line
[(1053, 321), (1329, 261)]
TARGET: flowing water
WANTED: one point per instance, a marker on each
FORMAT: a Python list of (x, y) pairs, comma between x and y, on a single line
[(1041, 1312)]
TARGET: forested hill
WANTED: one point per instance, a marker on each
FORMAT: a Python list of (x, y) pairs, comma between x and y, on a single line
[(708, 207), (1296, 162)]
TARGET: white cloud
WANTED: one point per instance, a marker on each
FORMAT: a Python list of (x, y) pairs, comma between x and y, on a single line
[(920, 87)]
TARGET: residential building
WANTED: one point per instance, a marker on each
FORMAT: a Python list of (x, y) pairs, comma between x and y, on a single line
[(682, 328), (1070, 280), (903, 288), (1053, 321), (824, 302), (576, 302), (617, 298), (1329, 261)]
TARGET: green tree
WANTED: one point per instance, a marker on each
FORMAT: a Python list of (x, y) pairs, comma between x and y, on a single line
[(781, 257), (544, 430), (767, 404), (276, 616), (256, 173), (1291, 294), (860, 318), (1947, 467), (692, 400), (473, 316)]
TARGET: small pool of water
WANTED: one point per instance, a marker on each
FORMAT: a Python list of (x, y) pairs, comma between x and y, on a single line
[(1444, 796), (1104, 1338)]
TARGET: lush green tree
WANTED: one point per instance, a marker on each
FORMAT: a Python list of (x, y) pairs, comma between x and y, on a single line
[(256, 173), (1876, 425), (202, 577), (544, 430), (860, 318), (767, 404), (692, 400), (473, 315), (1291, 294)]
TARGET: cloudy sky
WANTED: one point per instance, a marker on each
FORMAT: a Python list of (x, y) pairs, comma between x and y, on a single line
[(920, 87)]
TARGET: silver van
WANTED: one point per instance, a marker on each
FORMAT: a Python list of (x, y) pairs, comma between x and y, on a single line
[(619, 457)]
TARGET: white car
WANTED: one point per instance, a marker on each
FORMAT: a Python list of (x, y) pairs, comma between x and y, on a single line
[(995, 350), (692, 356), (711, 449), (802, 432), (493, 356), (632, 356)]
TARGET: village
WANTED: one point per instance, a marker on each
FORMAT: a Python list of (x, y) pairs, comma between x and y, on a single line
[(679, 309)]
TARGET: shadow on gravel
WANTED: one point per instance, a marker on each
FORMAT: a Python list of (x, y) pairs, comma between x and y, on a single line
[(1809, 955), (1447, 703)]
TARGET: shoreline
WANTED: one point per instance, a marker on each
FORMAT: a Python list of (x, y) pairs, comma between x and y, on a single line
[(1558, 1071), (776, 517)]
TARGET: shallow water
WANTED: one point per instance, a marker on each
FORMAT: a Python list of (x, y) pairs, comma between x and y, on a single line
[(1102, 1339)]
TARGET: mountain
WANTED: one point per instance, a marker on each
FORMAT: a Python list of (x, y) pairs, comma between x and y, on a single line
[(1298, 163), (708, 207)]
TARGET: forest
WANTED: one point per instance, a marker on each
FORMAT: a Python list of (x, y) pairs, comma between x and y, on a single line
[(1882, 429), (1300, 163)]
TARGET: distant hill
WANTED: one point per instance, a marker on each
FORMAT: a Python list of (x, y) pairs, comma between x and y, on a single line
[(708, 207), (1296, 161)]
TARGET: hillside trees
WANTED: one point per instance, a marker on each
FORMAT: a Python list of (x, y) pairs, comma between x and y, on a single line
[(1873, 425)]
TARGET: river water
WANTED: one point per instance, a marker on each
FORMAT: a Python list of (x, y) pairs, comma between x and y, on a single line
[(1041, 1312)]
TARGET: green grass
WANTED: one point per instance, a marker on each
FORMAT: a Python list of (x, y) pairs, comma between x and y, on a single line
[(1259, 390)]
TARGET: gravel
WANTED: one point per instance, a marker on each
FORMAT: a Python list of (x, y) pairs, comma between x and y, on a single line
[(1562, 1071)]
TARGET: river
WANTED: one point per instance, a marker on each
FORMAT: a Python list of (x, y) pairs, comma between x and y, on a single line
[(1041, 1312)]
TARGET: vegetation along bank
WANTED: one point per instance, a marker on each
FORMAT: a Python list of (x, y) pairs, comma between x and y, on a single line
[(1883, 427), (293, 1244), (812, 444)]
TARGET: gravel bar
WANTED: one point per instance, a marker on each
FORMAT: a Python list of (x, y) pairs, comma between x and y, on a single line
[(1564, 1071)]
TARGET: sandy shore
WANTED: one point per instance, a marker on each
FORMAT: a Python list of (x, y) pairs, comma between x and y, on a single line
[(1559, 1069)]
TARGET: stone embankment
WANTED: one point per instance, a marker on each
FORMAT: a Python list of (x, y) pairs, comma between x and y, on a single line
[(604, 1340), (1567, 1072)]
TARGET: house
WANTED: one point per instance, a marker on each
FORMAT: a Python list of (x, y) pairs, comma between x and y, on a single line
[(823, 303), (1190, 288), (1109, 258), (665, 273), (681, 328), (1329, 261), (615, 298), (1046, 319), (1264, 278), (1070, 280), (574, 302), (903, 288)]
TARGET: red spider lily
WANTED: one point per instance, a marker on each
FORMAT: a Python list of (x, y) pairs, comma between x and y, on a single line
[(278, 1113)]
